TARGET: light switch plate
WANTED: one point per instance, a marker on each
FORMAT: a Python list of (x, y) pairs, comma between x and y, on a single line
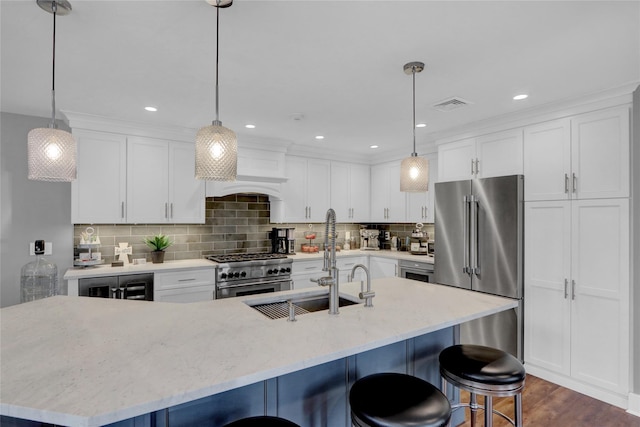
[(48, 248)]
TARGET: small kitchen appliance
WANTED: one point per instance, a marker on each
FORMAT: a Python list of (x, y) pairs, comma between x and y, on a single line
[(282, 241), (369, 240)]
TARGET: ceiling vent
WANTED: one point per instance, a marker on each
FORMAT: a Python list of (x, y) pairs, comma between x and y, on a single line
[(451, 104)]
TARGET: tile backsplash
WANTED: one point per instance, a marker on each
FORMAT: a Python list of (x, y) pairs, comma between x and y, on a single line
[(238, 223)]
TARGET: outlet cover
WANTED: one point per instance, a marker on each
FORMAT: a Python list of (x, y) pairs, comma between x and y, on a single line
[(48, 248)]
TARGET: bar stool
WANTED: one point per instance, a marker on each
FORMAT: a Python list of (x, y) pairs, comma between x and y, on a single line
[(262, 421), (487, 372), (395, 400)]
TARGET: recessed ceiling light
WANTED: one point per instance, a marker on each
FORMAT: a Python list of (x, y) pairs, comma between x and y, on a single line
[(521, 96), (319, 137), (373, 146), (421, 125), (250, 126), (151, 108)]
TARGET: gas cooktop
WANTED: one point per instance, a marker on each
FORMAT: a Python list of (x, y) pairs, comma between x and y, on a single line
[(245, 257)]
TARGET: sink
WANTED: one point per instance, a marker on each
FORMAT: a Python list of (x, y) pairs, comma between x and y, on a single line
[(303, 304)]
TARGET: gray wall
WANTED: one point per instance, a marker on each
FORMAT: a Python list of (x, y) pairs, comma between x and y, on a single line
[(29, 210), (635, 249)]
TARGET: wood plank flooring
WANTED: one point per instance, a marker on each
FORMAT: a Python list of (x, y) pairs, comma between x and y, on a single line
[(548, 405)]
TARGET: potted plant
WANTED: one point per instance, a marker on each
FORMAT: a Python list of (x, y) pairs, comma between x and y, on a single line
[(157, 244)]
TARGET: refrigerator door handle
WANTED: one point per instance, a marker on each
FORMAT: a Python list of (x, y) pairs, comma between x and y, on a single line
[(475, 269), (465, 235)]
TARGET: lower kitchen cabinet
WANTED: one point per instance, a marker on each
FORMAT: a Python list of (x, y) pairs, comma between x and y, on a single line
[(577, 295), (382, 267), (303, 271), (185, 286)]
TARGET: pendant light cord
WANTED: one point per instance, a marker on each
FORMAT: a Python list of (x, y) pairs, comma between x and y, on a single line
[(413, 72), (54, 9), (217, 53)]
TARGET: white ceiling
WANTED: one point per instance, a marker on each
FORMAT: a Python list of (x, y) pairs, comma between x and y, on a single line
[(338, 63)]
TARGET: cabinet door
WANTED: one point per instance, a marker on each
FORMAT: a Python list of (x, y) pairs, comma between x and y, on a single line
[(499, 154), (547, 160), (295, 190), (340, 191), (547, 288), (379, 192), (417, 206), (382, 267), (98, 195), (600, 154), (303, 272), (431, 195), (397, 200), (187, 294), (360, 192), (345, 265), (318, 185), (186, 193), (455, 160), (147, 183), (600, 309)]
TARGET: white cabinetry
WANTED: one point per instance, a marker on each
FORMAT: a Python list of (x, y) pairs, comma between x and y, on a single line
[(303, 271), (346, 264), (382, 267), (485, 156), (350, 191), (306, 190), (583, 157), (99, 193), (185, 286), (388, 203), (420, 206), (161, 183), (577, 291)]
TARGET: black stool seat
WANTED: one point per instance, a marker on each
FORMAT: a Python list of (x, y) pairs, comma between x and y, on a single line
[(394, 400), (482, 364), (263, 421)]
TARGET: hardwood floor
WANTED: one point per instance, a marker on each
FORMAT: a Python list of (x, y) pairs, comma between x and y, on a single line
[(548, 405)]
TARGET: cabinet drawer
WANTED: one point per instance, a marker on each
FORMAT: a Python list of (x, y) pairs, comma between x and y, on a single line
[(184, 278), (186, 294), (307, 266)]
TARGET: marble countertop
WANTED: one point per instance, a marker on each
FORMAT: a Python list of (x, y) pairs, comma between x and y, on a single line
[(303, 256), (93, 361), (107, 270)]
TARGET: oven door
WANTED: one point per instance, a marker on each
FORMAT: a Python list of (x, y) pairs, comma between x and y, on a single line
[(421, 275), (230, 290)]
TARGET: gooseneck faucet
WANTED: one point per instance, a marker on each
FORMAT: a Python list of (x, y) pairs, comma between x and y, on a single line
[(330, 262), (367, 295)]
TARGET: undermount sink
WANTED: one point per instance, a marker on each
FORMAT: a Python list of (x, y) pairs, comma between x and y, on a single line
[(303, 304)]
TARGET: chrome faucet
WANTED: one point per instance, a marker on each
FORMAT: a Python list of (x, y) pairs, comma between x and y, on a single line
[(330, 262), (367, 295)]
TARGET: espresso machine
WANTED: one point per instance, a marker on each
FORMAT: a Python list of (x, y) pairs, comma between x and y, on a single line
[(282, 241), (369, 240)]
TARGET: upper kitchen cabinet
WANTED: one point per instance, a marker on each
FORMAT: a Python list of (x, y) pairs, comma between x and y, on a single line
[(161, 183), (306, 192), (420, 206), (98, 195), (350, 191), (584, 157), (495, 154), (388, 203)]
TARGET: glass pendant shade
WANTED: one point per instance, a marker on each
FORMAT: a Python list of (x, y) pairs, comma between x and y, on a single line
[(414, 174), (51, 155), (216, 153)]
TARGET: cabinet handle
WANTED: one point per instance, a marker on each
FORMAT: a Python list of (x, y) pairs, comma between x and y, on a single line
[(122, 210), (477, 166), (311, 268), (171, 210), (395, 270), (166, 210), (575, 182), (566, 183), (566, 288), (187, 280), (573, 289), (471, 166)]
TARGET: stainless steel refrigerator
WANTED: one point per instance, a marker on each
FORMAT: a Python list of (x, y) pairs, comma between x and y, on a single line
[(479, 245)]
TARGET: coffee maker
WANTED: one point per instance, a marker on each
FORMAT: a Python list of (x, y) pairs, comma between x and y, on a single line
[(282, 241)]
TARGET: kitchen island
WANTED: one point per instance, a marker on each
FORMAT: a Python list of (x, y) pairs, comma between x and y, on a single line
[(92, 361)]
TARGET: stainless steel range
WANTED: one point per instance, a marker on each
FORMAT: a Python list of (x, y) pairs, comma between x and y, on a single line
[(249, 274)]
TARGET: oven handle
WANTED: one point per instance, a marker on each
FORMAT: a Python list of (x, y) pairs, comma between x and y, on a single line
[(243, 285)]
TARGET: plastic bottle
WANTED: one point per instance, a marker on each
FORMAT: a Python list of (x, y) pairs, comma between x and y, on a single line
[(38, 279)]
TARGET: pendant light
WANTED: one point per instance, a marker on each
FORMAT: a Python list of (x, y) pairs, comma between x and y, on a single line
[(414, 170), (51, 152), (216, 145)]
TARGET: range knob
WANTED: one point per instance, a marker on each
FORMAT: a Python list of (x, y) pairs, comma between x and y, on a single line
[(236, 274), (288, 269), (269, 271), (282, 270), (243, 274), (223, 276)]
